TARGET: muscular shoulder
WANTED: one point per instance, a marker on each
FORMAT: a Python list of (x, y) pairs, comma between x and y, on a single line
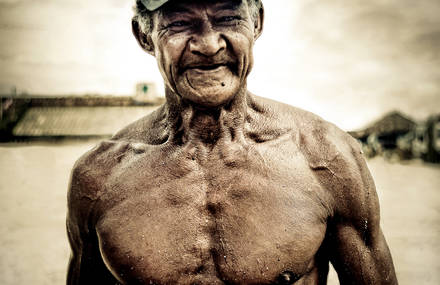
[(87, 181), (94, 167), (322, 143), (337, 162), (319, 139), (331, 153)]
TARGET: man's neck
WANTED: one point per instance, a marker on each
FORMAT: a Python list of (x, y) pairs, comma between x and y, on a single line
[(206, 126)]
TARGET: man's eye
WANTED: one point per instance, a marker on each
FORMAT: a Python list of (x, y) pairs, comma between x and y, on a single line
[(227, 19), (178, 24)]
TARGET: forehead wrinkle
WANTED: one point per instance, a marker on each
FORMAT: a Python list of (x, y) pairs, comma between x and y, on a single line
[(174, 10), (181, 7), (228, 5)]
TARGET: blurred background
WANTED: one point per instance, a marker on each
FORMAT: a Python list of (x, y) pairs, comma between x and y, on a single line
[(71, 74)]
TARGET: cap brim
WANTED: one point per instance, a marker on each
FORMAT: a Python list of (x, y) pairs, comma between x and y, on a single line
[(152, 5)]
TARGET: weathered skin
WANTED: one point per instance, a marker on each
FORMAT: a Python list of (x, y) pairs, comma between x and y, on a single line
[(238, 191)]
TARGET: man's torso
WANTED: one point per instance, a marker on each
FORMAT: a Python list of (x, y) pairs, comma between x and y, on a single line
[(245, 213)]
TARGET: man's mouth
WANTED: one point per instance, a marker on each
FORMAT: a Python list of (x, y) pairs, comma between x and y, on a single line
[(209, 67), (206, 67)]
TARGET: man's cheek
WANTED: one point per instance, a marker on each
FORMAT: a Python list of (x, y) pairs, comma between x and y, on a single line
[(164, 68)]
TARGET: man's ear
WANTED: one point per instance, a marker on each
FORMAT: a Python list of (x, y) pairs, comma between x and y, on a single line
[(142, 38), (259, 23)]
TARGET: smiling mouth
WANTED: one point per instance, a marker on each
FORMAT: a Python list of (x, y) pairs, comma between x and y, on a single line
[(210, 67)]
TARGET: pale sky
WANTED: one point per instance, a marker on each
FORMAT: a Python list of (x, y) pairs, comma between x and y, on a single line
[(349, 61)]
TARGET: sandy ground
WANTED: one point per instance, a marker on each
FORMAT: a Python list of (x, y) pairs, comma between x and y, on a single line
[(33, 244)]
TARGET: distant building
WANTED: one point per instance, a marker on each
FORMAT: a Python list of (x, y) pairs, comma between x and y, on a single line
[(30, 118), (383, 134), (78, 121), (396, 135), (24, 117)]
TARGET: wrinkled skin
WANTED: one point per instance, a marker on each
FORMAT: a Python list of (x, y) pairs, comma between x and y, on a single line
[(219, 186)]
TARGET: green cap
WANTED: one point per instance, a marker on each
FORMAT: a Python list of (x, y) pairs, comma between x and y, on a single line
[(152, 5)]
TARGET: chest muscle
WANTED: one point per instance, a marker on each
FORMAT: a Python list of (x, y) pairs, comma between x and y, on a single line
[(239, 224)]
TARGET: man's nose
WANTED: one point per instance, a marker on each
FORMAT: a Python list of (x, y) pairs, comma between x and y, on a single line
[(207, 42)]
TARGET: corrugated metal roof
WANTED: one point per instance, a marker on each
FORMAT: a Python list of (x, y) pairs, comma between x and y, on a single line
[(78, 121), (393, 122)]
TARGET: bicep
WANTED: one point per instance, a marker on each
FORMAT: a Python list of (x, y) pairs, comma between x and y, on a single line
[(79, 251), (354, 240), (86, 265), (359, 251), (358, 261)]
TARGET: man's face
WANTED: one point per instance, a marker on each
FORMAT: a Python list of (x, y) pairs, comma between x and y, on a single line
[(204, 48)]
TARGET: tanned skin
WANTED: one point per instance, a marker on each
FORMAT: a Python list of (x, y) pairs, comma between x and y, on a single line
[(219, 186)]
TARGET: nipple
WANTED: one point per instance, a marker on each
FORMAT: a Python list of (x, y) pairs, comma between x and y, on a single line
[(288, 277)]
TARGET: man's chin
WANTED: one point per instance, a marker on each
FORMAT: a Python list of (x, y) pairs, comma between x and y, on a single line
[(211, 92), (209, 96)]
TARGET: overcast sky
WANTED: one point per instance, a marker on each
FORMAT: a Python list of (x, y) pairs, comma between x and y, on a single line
[(349, 61)]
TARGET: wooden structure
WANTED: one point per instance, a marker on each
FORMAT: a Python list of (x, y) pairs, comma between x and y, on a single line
[(36, 118)]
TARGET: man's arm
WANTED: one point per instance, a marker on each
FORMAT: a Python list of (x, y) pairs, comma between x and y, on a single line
[(86, 265), (358, 250), (354, 241)]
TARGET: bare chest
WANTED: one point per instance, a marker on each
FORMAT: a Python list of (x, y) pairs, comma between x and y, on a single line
[(169, 219)]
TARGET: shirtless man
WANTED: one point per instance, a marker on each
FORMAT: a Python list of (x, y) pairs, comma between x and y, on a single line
[(219, 186)]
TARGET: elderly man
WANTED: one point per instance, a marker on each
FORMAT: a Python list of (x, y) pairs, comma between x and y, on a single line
[(219, 186)]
